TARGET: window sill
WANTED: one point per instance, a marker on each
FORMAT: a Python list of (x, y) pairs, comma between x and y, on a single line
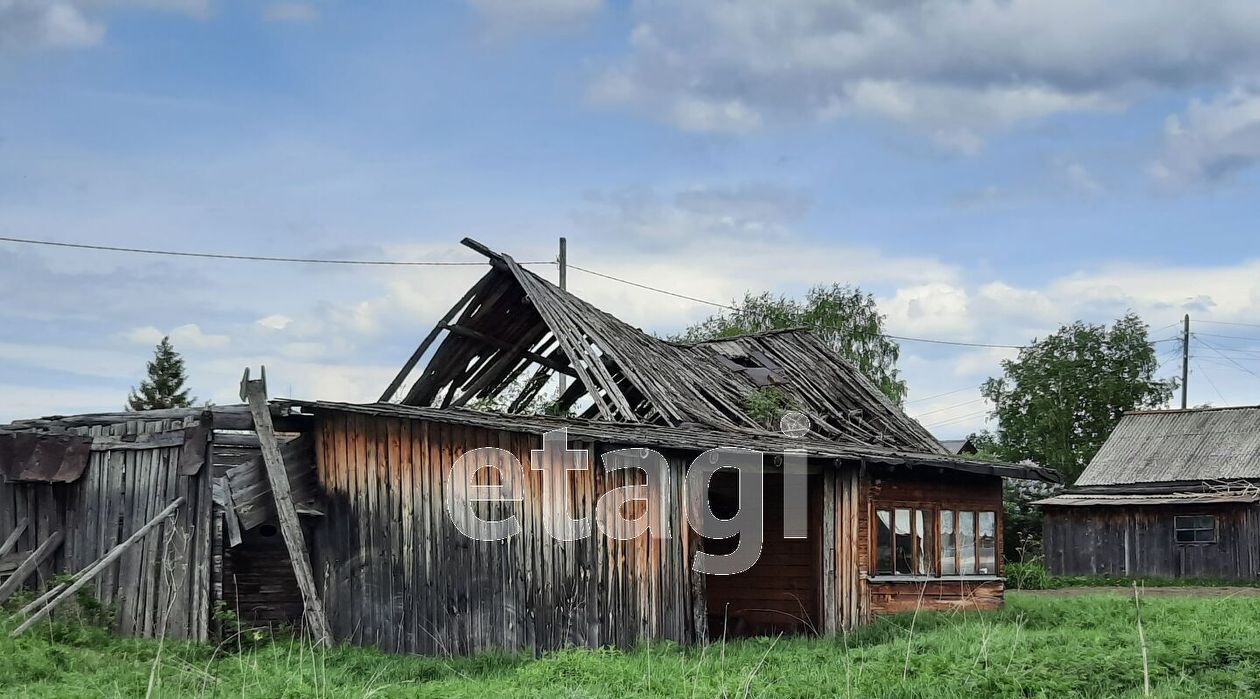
[(932, 578)]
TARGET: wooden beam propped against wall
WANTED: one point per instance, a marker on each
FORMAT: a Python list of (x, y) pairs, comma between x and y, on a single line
[(255, 393)]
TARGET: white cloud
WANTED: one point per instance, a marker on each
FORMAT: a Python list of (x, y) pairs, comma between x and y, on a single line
[(189, 335), (1211, 140), (955, 69), (72, 24), (520, 16), (275, 322), (46, 24), (290, 12)]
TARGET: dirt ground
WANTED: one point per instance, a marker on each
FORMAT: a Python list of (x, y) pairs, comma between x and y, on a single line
[(1158, 591)]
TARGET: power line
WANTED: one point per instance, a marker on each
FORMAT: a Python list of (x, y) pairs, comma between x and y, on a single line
[(250, 258), (941, 395), (1210, 381), (736, 309), (652, 288), (1225, 322), (960, 418), (1230, 337), (1230, 359), (954, 343), (950, 407)]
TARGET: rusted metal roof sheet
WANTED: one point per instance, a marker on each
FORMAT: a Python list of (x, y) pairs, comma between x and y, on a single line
[(28, 457), (691, 438), (1208, 444)]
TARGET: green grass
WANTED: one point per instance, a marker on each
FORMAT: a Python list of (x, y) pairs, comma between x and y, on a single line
[(1078, 646), (1034, 576)]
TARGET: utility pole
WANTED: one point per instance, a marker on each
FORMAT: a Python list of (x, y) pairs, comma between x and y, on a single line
[(1185, 360), (563, 262)]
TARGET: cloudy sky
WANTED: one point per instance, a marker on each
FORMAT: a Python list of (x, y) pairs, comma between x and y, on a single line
[(989, 169)]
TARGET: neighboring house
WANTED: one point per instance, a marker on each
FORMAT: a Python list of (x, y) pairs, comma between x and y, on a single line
[(1171, 493), (890, 521), (959, 446)]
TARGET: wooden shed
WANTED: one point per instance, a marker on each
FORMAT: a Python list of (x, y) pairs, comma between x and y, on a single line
[(344, 518), (887, 531), (75, 489), (1172, 493)]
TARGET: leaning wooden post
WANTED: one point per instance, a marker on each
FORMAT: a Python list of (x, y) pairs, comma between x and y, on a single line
[(255, 393), (97, 567), (29, 565), (16, 534)]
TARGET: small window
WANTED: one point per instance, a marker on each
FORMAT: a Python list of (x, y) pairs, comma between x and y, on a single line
[(1195, 529), (949, 544), (988, 543), (903, 542)]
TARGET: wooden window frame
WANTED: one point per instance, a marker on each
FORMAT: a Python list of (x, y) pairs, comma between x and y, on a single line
[(1215, 529), (932, 540)]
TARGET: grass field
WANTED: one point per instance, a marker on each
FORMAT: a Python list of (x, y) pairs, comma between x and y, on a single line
[(1038, 645)]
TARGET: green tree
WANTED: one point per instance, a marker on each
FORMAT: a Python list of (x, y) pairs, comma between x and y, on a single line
[(164, 388), (844, 317), (1059, 400)]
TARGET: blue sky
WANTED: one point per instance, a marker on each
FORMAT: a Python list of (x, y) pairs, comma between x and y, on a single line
[(989, 170)]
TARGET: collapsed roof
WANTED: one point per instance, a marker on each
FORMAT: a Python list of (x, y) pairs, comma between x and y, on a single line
[(513, 331)]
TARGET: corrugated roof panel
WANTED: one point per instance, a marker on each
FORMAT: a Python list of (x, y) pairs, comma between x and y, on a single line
[(1179, 445)]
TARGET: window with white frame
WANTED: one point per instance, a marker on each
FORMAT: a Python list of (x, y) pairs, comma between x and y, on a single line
[(924, 542)]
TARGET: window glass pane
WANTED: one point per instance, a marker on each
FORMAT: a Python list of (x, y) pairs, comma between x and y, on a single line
[(966, 543), (948, 551), (903, 546), (1185, 536), (922, 540), (883, 542), (988, 543), (1206, 535)]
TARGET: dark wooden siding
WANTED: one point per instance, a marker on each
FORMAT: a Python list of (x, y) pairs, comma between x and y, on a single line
[(162, 583), (259, 586), (1134, 541), (398, 574)]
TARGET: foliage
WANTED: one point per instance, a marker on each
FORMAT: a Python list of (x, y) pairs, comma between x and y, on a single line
[(1032, 575), (766, 406), (1027, 575), (164, 387), (1036, 646), (1060, 399), (541, 404), (1021, 520), (844, 317)]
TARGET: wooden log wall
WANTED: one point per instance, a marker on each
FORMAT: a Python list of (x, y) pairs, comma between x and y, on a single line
[(396, 573), (161, 585), (933, 490), (1135, 541)]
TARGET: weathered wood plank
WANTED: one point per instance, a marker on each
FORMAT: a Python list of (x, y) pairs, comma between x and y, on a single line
[(255, 392), (29, 565)]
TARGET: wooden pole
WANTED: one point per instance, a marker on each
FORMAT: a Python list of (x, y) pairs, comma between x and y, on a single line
[(255, 393), (11, 542), (29, 565), (563, 262), (87, 575), (1146, 663), (1185, 361)]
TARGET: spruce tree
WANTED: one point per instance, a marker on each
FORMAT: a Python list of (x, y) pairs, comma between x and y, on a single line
[(165, 386)]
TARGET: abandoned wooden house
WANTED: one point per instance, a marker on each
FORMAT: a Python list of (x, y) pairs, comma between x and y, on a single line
[(891, 520), (1173, 493)]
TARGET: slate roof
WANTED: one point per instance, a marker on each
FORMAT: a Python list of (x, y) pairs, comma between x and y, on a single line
[(1208, 444)]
